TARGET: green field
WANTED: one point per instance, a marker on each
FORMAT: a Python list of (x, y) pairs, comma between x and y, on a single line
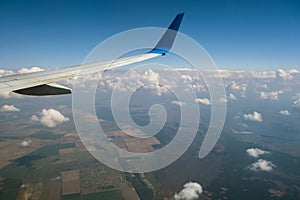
[(47, 135), (151, 177), (10, 189), (71, 197)]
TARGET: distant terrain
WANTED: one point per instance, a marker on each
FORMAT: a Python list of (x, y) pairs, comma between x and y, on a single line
[(257, 156)]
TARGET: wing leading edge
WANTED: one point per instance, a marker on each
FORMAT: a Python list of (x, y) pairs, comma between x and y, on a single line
[(43, 83)]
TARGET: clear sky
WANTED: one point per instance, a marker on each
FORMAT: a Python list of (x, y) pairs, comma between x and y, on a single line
[(237, 34)]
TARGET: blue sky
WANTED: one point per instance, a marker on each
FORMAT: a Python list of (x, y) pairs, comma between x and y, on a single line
[(245, 34)]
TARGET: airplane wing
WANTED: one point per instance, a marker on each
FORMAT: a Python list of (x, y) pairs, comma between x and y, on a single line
[(44, 82)]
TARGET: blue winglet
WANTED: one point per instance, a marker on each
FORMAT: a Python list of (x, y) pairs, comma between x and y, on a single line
[(166, 41)]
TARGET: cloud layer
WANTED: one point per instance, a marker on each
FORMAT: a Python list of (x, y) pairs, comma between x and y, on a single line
[(190, 191)]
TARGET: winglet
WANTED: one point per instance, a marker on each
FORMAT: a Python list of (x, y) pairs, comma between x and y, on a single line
[(166, 41)]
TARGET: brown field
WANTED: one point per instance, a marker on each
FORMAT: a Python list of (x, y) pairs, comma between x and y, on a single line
[(70, 182), (10, 128), (141, 145), (71, 150), (128, 192), (66, 151), (130, 143), (54, 190)]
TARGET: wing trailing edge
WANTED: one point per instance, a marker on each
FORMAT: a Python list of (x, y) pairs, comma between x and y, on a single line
[(45, 89)]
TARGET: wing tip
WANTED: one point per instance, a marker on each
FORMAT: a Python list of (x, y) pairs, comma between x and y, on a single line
[(167, 40)]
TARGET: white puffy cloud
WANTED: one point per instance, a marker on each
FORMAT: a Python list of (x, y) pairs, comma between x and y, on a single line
[(135, 79), (256, 152), (293, 71), (29, 70), (271, 95), (286, 74), (236, 87), (186, 77), (204, 101), (9, 108), (178, 103), (4, 72), (50, 118), (284, 112), (257, 117), (190, 191), (283, 74), (25, 143), (262, 165)]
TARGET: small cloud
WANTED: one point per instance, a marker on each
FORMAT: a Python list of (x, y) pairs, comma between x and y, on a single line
[(253, 117), (34, 118), (186, 77), (25, 143), (178, 103), (297, 103), (293, 71), (231, 97), (50, 118), (204, 101), (235, 87), (256, 152), (271, 95), (285, 112), (9, 108), (242, 132), (262, 165), (190, 191)]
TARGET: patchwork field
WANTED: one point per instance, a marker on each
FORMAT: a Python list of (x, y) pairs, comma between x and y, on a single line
[(70, 182)]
